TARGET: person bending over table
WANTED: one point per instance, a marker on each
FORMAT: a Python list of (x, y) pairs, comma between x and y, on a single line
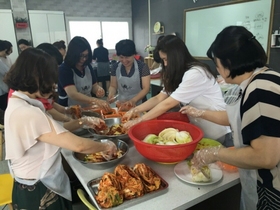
[(185, 81), (254, 117), (130, 78), (34, 139), (77, 81)]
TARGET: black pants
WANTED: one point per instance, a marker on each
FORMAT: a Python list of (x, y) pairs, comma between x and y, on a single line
[(3, 101)]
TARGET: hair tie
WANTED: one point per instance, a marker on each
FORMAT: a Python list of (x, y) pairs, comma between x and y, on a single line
[(251, 38)]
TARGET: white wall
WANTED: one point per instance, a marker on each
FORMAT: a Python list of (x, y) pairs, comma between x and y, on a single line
[(8, 31)]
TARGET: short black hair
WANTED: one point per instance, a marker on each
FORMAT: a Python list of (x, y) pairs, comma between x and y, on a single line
[(238, 50), (2, 45), (23, 41), (60, 44), (76, 46), (52, 51), (125, 47), (34, 70), (99, 42)]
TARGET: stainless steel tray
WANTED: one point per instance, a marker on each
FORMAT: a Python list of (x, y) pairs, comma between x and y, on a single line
[(93, 187)]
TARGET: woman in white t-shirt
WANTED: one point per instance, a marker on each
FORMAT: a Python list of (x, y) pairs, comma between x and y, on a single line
[(185, 81)]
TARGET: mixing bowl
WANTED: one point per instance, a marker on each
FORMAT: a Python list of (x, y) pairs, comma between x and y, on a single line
[(110, 122), (164, 153)]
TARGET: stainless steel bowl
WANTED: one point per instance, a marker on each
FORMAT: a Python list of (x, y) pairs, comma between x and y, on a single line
[(106, 164), (110, 122), (91, 113)]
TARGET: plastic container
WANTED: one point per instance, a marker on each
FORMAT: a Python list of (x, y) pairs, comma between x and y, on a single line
[(170, 154)]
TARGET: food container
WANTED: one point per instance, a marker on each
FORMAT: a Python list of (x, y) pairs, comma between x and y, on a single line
[(110, 122), (106, 164), (170, 154), (93, 187)]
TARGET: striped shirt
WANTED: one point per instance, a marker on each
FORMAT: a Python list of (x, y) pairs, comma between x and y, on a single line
[(260, 115)]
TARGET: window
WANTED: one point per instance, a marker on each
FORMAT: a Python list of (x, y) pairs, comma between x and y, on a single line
[(111, 31)]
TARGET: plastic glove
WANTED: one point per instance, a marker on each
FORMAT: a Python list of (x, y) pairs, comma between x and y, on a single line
[(131, 114), (191, 111), (131, 123), (111, 98), (100, 92), (205, 156), (91, 122), (111, 149), (126, 106), (101, 104)]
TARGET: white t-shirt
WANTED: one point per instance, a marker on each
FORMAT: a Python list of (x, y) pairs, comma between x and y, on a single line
[(202, 92), (24, 123)]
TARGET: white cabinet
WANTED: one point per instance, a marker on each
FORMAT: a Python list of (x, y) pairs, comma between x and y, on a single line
[(8, 31), (47, 26)]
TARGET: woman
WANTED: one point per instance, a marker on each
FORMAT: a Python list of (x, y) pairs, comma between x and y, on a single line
[(156, 63), (33, 138), (77, 82), (60, 45), (23, 44), (254, 117), (101, 55), (130, 78), (185, 81), (6, 48)]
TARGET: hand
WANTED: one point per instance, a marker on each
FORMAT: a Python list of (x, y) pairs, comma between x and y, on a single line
[(131, 114), (205, 156), (101, 104), (191, 111), (111, 98), (91, 122), (126, 106), (111, 149), (131, 123), (100, 92)]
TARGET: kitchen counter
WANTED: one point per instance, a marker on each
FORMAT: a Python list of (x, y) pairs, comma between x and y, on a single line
[(180, 195)]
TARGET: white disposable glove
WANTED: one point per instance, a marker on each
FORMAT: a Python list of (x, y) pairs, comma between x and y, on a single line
[(91, 122), (131, 114), (131, 123), (111, 149), (191, 111), (206, 156), (101, 104)]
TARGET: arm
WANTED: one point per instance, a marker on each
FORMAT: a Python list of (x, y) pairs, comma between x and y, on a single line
[(151, 103), (113, 87), (59, 108), (262, 153), (72, 142), (218, 117), (56, 115), (160, 108), (144, 91), (72, 92), (98, 90)]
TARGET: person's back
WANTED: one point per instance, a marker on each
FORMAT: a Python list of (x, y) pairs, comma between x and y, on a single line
[(101, 54)]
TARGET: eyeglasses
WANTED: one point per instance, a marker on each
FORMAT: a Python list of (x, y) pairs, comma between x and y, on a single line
[(82, 56)]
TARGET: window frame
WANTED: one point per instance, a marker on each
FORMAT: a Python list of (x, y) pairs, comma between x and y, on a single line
[(100, 19)]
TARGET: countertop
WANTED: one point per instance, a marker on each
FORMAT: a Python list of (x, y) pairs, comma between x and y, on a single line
[(180, 195)]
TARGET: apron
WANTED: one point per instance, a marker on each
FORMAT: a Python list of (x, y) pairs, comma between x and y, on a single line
[(83, 85), (51, 174), (248, 178), (128, 87)]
